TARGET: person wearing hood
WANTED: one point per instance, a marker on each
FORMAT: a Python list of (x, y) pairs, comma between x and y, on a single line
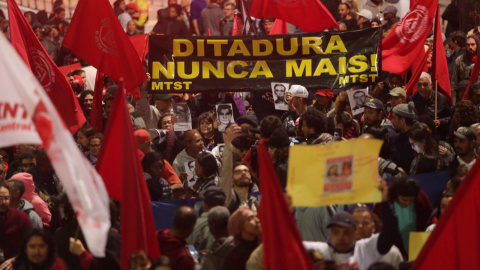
[(172, 242), (218, 225), (17, 188), (464, 65), (206, 168), (210, 19), (39, 205)]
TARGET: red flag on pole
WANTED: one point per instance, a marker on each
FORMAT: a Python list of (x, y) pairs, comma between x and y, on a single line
[(96, 36), (473, 77), (237, 29), (279, 27), (42, 66), (282, 243), (454, 243), (405, 42), (417, 70), (140, 43), (440, 66), (137, 225), (309, 15), (96, 115)]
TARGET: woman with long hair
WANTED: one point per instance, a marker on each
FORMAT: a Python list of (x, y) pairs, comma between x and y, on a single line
[(427, 158), (38, 252), (209, 131)]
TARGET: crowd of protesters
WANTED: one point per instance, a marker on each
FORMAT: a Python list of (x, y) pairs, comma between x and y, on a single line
[(421, 133)]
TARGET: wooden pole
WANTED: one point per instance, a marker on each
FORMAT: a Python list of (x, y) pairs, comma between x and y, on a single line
[(436, 98)]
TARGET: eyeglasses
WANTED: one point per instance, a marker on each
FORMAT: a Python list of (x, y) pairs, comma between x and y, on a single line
[(95, 145), (241, 171), (422, 84), (5, 198)]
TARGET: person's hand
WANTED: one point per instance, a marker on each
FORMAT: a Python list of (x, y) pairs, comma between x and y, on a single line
[(437, 123), (76, 247), (216, 123), (402, 171), (442, 150), (8, 264), (462, 170), (183, 176), (231, 133), (384, 189), (289, 99), (143, 86)]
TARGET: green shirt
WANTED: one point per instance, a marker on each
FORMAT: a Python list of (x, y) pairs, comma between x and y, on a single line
[(407, 221)]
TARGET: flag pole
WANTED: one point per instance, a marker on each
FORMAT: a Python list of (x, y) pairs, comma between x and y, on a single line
[(436, 98)]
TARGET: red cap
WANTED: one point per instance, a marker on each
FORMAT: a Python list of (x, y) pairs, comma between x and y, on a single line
[(77, 80), (325, 93), (141, 135), (132, 5)]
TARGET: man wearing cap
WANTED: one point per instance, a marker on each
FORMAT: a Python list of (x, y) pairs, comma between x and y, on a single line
[(464, 142), (343, 246), (297, 98), (126, 16), (424, 101), (363, 18), (248, 123), (201, 238), (151, 114), (374, 116), (324, 100), (375, 6), (403, 117), (390, 18), (398, 95)]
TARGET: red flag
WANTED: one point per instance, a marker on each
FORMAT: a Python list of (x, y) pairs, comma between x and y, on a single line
[(279, 27), (309, 15), (282, 243), (140, 43), (50, 77), (66, 69), (454, 243), (440, 66), (405, 42), (96, 36), (96, 115), (473, 77), (137, 225), (418, 68), (237, 29)]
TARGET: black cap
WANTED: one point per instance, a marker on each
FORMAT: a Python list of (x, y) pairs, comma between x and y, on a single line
[(342, 219), (374, 104), (279, 138), (465, 133), (213, 196), (248, 119)]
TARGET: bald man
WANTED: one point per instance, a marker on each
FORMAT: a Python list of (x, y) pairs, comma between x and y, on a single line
[(193, 145)]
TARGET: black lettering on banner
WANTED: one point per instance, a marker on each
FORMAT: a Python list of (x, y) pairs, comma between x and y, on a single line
[(315, 60)]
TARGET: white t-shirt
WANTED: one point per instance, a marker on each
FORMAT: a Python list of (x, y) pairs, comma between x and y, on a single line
[(364, 254)]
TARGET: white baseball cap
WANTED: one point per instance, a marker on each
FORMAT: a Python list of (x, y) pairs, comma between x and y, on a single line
[(299, 91), (366, 13)]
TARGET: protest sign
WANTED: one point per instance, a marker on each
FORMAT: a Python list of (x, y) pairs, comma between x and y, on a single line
[(417, 240), (184, 119), (324, 60), (338, 173)]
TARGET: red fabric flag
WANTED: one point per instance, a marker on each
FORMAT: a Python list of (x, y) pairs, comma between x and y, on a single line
[(282, 243), (140, 43), (119, 151), (237, 29), (309, 15), (279, 27), (473, 77), (418, 68), (405, 42), (96, 36), (440, 66), (96, 115), (454, 243), (50, 77)]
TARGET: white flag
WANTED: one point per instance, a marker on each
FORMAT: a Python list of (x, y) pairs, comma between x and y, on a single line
[(85, 189)]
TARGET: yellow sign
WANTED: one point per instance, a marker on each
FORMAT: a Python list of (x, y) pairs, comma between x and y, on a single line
[(338, 173), (417, 240)]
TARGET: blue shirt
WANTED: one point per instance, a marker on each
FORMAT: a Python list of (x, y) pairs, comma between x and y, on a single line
[(196, 8)]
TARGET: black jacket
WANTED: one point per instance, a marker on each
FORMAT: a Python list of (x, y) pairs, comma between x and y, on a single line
[(428, 107)]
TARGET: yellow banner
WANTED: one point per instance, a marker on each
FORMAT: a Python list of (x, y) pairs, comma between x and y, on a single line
[(417, 240), (338, 173)]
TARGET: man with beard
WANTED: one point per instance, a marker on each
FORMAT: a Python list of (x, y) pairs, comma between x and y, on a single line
[(240, 194), (13, 224), (464, 64), (345, 16)]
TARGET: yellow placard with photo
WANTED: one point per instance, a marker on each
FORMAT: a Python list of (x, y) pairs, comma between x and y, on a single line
[(417, 241), (339, 173)]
